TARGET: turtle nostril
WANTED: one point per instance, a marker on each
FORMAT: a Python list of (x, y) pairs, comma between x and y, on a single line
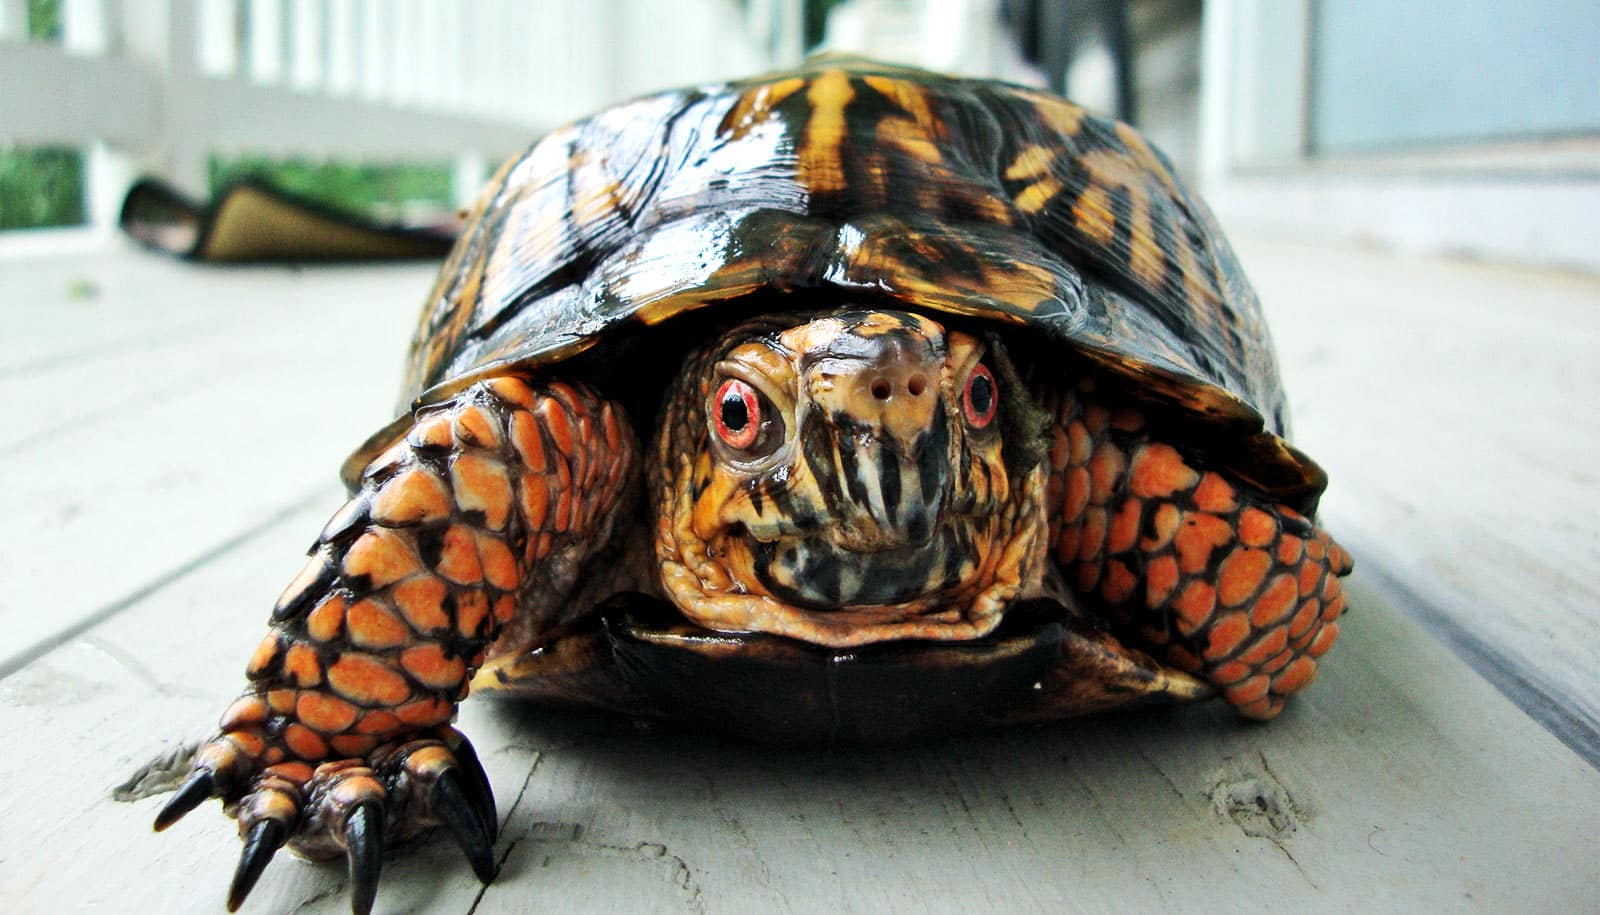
[(917, 385), (881, 389)]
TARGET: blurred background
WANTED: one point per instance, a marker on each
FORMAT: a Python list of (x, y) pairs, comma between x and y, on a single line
[(1467, 126), (1414, 189)]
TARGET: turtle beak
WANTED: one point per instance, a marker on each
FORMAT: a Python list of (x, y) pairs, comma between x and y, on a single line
[(876, 434)]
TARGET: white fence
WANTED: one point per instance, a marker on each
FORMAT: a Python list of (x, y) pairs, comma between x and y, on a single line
[(160, 85)]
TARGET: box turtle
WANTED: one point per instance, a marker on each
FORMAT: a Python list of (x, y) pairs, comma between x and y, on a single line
[(847, 403)]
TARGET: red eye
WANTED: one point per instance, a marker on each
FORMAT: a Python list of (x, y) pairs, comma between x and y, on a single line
[(736, 412), (979, 400)]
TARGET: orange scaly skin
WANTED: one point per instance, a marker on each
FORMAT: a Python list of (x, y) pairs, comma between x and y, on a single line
[(1217, 578), (480, 514)]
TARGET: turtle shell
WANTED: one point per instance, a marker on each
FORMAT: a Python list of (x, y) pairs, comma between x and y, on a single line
[(957, 196)]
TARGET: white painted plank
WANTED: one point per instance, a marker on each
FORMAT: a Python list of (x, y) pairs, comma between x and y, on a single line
[(1410, 782), (198, 403), (1452, 404)]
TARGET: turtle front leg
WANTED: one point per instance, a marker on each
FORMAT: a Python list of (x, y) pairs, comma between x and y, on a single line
[(1202, 570), (477, 520)]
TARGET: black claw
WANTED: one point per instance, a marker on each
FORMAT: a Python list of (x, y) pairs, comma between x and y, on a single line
[(363, 842), (479, 791), (194, 792), (265, 838), (451, 804)]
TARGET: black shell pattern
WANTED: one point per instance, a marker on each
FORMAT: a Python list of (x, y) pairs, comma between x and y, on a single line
[(951, 195)]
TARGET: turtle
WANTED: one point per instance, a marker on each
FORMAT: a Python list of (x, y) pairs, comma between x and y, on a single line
[(847, 403)]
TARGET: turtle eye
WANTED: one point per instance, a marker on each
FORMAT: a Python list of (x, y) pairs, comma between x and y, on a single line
[(743, 418), (979, 398)]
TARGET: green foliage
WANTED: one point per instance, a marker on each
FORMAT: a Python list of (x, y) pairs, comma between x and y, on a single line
[(356, 188), (41, 186), (44, 20)]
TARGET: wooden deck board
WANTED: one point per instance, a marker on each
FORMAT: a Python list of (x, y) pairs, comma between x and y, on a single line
[(1409, 782)]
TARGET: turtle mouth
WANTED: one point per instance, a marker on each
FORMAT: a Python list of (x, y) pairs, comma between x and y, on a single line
[(824, 571)]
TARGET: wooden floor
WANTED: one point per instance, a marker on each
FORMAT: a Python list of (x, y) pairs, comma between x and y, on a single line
[(171, 450)]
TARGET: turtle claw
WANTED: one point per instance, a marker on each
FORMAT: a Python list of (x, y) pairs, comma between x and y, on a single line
[(466, 823), (351, 808), (363, 837), (194, 792), (264, 840)]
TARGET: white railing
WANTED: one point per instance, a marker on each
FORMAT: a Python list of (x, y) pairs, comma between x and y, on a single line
[(161, 85)]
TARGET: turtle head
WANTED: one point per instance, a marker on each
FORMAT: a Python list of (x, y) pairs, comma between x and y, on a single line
[(848, 479)]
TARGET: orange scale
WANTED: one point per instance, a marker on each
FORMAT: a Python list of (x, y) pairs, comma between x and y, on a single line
[(1164, 525), (372, 626), (458, 557), (528, 440), (1079, 443), (411, 497), (301, 666), (1290, 548), (297, 772), (378, 722), (1249, 691), (249, 742), (1092, 534), (1240, 575), (472, 607), (304, 742), (1256, 527), (1226, 634), (474, 426), (244, 712), (1105, 470), (499, 566), (612, 426), (1229, 673), (1275, 602), (425, 713), (1308, 614), (1316, 549), (382, 556), (368, 681), (421, 601), (1334, 608), (325, 713), (505, 608), (1155, 636), (1295, 677), (1057, 452), (264, 657), (1096, 418), (429, 666), (512, 390), (1159, 472), (1077, 494), (563, 520), (1309, 575), (281, 700), (1160, 577), (1214, 494), (1279, 661), (1330, 588), (327, 621), (557, 423), (1124, 527), (1324, 640), (1193, 607), (1263, 709), (1118, 583), (1198, 537), (1266, 646), (352, 744), (431, 432), (481, 484)]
